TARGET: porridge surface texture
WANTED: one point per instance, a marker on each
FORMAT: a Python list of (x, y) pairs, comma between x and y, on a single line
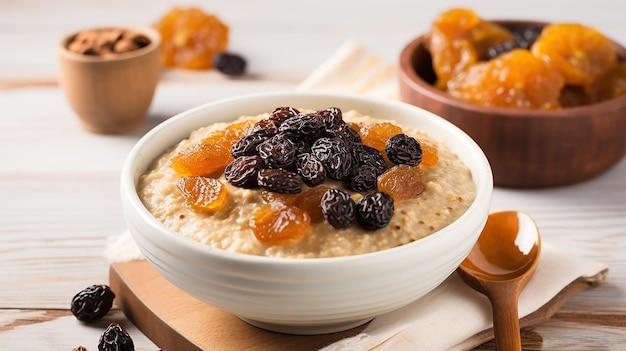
[(449, 191)]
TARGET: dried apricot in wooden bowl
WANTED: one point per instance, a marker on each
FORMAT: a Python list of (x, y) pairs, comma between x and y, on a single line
[(530, 147)]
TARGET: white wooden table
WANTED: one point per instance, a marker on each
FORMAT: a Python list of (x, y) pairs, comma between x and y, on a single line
[(59, 201)]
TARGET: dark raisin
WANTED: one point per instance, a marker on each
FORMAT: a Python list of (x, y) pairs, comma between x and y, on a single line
[(310, 169), (526, 36), (280, 114), (403, 149), (362, 178), (367, 155), (309, 125), (265, 127), (374, 210), (302, 145), (115, 338), (345, 133), (92, 303), (247, 145), (278, 151), (280, 181), (243, 171), (338, 208), (332, 117), (334, 155), (500, 49), (230, 64)]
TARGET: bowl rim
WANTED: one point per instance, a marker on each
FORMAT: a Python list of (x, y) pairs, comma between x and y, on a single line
[(416, 83), (129, 179), (151, 33)]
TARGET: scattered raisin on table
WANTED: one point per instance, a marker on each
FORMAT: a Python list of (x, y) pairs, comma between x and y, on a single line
[(374, 210), (230, 64), (338, 208), (92, 303), (115, 338)]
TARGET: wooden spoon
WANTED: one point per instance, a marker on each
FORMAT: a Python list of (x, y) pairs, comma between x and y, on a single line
[(500, 265)]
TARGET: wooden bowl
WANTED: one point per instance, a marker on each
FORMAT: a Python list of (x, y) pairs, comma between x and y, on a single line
[(110, 94), (526, 148)]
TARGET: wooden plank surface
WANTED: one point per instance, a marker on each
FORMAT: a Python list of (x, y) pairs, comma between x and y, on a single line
[(59, 202)]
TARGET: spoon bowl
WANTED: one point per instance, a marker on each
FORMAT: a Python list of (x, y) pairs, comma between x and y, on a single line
[(500, 265)]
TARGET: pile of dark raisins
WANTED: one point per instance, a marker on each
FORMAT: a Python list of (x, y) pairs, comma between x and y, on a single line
[(289, 149)]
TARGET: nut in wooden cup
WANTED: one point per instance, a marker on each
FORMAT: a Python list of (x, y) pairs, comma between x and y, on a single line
[(110, 92)]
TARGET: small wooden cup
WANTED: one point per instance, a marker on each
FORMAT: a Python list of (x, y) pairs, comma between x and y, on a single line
[(110, 94), (526, 148)]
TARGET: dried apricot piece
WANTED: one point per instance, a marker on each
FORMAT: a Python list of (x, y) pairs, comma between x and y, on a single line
[(190, 38), (309, 201), (611, 85), (488, 34), (430, 155), (203, 193), (580, 53), (376, 135), (236, 131), (202, 159), (402, 182), (276, 223), (287, 199), (514, 79)]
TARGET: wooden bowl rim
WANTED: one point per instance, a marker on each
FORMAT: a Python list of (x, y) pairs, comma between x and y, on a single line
[(409, 77)]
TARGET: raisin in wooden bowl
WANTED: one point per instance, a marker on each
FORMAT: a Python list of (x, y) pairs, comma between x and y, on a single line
[(305, 295), (527, 148)]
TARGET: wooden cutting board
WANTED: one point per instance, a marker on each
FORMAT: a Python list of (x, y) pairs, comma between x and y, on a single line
[(173, 320), (176, 321)]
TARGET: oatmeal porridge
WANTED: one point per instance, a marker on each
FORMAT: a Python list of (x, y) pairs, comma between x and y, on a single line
[(279, 184)]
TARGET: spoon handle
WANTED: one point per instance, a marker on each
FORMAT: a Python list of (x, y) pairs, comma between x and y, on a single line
[(505, 320)]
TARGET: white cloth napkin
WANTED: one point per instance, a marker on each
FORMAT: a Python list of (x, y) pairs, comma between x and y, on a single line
[(453, 316)]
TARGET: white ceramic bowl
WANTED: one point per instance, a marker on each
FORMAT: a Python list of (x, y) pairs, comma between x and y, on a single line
[(305, 296)]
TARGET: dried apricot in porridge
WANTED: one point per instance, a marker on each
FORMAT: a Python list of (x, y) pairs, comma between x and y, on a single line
[(483, 62), (353, 202)]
